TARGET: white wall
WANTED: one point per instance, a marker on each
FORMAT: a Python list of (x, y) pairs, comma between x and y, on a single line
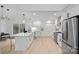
[(72, 9), (48, 30), (3, 25)]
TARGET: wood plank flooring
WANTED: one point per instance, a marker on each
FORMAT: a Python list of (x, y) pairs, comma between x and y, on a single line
[(44, 45), (5, 46), (40, 45)]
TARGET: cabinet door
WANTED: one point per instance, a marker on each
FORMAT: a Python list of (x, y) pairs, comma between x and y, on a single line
[(15, 28)]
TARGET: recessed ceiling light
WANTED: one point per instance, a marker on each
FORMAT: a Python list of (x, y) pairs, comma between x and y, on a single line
[(48, 22), (34, 13), (37, 23), (55, 14), (56, 21), (8, 9), (2, 6), (23, 21), (33, 29), (62, 18), (23, 14)]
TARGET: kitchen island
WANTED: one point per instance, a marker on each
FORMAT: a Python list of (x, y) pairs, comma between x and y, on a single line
[(23, 41)]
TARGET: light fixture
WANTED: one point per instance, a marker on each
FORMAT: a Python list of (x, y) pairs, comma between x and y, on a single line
[(23, 17), (8, 9), (62, 18), (56, 22), (2, 6), (23, 14), (55, 14), (23, 21), (34, 13), (37, 23), (33, 29), (48, 22)]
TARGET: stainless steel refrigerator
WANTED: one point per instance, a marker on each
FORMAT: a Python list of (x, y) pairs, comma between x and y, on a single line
[(70, 29)]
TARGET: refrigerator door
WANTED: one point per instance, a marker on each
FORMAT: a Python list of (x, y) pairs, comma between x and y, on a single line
[(70, 36), (64, 30), (72, 32), (75, 31), (70, 39)]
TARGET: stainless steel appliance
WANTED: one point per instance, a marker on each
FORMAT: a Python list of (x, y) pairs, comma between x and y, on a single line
[(55, 36), (58, 37), (70, 35)]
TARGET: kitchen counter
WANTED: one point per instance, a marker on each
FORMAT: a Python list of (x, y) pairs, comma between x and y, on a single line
[(21, 34), (22, 41)]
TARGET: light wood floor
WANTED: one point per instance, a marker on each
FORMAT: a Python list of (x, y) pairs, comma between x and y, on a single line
[(44, 45), (40, 45), (5, 46)]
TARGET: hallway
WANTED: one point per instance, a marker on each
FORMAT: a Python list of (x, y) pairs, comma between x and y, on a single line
[(44, 45)]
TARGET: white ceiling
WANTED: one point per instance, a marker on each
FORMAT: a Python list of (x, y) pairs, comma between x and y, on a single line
[(19, 9), (36, 7), (43, 11)]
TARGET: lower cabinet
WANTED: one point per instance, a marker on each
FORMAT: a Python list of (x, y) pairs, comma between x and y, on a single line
[(23, 42)]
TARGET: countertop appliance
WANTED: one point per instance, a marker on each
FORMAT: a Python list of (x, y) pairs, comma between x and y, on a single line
[(59, 39), (70, 42), (56, 36)]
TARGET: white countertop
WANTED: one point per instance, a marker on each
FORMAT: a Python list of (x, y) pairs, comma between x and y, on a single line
[(23, 41), (22, 34)]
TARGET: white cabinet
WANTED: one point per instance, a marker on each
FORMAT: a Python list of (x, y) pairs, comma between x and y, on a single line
[(22, 41)]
